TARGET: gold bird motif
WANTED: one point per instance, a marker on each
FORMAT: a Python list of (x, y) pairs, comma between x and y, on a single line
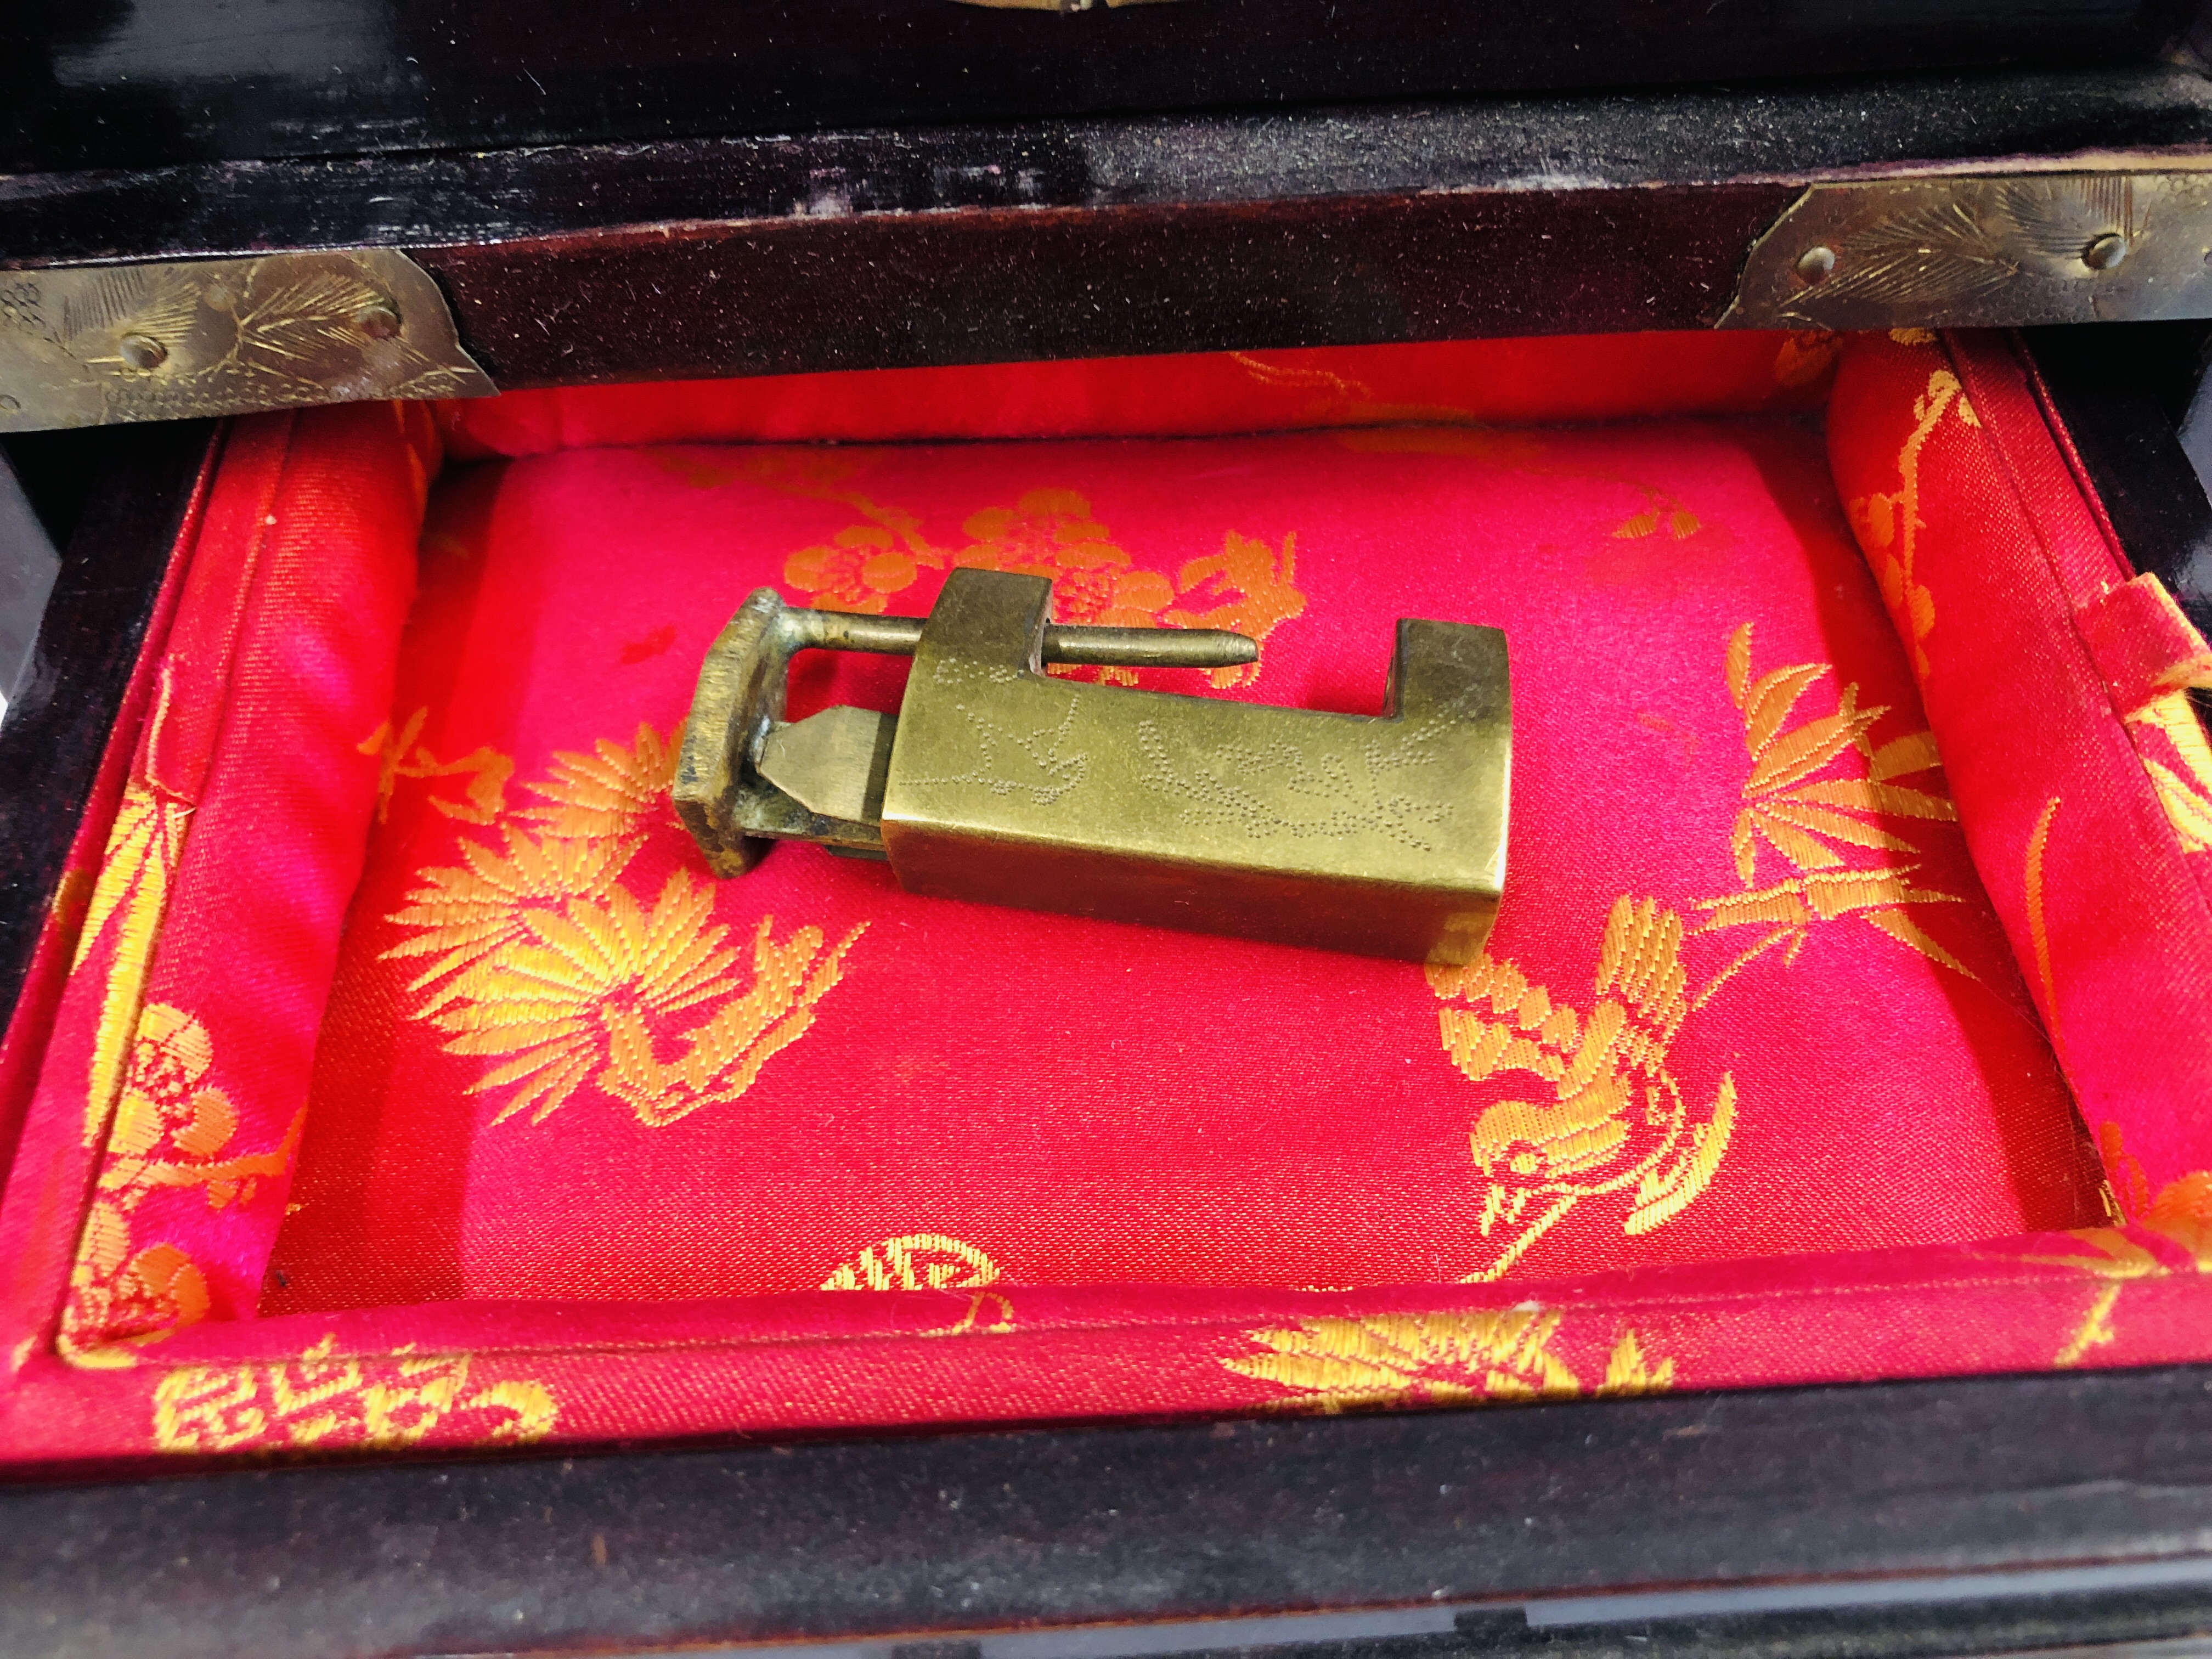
[(1617, 1117)]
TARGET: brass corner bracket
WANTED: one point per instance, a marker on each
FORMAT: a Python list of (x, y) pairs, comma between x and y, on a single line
[(91, 345), (1982, 250)]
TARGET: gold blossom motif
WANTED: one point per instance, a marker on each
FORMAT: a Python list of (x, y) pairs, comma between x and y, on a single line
[(1619, 1121), (1888, 524), (1333, 1363), (1660, 510), (171, 1129), (1249, 588), (544, 961), (377, 1402), (1254, 584)]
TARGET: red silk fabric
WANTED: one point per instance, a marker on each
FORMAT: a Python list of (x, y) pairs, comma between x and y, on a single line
[(1750, 1086), (1597, 377), (1081, 1101), (2082, 773)]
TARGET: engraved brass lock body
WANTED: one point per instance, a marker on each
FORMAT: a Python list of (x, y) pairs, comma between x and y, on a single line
[(1000, 782)]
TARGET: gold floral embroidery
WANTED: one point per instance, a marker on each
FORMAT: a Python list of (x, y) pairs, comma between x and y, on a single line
[(544, 961), (1248, 587), (930, 1262), (1052, 533), (1339, 401), (578, 1001), (1619, 1120), (144, 845), (171, 1128), (374, 1403), (1804, 356), (915, 1261), (486, 769), (1659, 509), (2182, 1211), (598, 810), (2181, 1214), (1809, 819), (1627, 1372), (2185, 788), (1334, 1363), (2039, 930), (1888, 524), (1254, 584)]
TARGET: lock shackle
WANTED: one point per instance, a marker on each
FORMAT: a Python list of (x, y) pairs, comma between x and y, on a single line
[(746, 675), (1096, 647)]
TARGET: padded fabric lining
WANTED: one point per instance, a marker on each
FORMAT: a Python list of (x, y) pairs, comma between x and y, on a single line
[(562, 1061)]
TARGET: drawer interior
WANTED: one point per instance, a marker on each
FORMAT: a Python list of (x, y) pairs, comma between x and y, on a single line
[(417, 1083)]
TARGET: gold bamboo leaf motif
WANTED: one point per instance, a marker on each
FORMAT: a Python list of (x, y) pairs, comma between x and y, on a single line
[(1901, 757), (1767, 704), (1803, 751), (2185, 788), (1814, 822)]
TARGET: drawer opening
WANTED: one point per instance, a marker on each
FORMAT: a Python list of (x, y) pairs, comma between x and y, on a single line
[(422, 1086)]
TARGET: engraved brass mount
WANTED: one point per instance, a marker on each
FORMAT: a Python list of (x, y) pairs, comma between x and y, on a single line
[(89, 345), (999, 782), (1983, 251)]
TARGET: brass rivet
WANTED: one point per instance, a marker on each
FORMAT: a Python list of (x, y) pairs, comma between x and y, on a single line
[(2106, 251), (143, 352), (379, 321), (1814, 263), (7, 405)]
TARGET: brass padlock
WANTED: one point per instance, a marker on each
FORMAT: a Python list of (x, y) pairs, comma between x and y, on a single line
[(999, 782)]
